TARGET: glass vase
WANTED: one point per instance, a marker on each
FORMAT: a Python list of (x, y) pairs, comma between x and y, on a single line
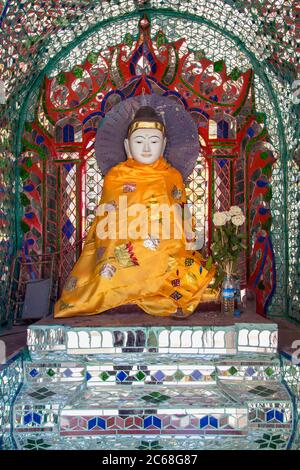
[(228, 295)]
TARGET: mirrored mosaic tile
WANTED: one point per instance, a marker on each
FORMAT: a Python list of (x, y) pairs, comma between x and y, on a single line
[(39, 406), (258, 338), (255, 440), (119, 397), (257, 391), (54, 373), (270, 414), (239, 394), (111, 373), (198, 421)]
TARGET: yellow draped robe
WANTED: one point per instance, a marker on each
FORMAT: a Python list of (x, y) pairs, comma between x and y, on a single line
[(152, 271)]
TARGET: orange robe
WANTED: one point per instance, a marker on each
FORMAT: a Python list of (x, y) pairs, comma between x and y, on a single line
[(154, 272)]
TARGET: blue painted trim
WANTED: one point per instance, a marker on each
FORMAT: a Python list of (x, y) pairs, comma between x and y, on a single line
[(269, 298), (90, 129), (200, 111), (4, 12), (113, 92), (262, 265), (90, 116)]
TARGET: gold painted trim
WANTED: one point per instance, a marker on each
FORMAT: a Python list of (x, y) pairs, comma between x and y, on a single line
[(146, 125)]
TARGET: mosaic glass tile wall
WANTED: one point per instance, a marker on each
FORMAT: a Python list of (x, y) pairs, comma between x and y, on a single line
[(257, 35)]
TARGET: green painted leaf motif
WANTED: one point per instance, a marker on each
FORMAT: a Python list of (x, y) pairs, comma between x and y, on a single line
[(235, 74), (218, 66), (24, 227), (267, 224), (267, 170), (28, 162), (78, 72), (161, 39), (264, 155), (260, 118), (25, 201), (128, 39), (23, 173), (61, 79), (28, 126), (268, 195), (92, 57)]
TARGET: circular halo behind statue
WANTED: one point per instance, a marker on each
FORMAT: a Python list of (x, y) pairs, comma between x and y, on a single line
[(182, 148)]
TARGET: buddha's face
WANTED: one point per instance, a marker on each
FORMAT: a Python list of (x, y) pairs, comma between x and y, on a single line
[(145, 145)]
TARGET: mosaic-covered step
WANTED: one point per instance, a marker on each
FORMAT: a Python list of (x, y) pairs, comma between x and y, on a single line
[(178, 409), (38, 406), (54, 371), (223, 407), (256, 439), (240, 337), (190, 370), (131, 368), (268, 403)]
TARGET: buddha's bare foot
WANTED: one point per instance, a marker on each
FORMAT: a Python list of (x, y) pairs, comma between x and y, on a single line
[(179, 314)]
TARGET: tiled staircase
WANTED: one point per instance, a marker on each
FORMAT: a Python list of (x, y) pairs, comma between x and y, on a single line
[(153, 388)]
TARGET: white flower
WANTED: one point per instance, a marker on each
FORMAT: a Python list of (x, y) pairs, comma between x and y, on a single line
[(228, 216), (238, 220), (235, 210), (219, 219)]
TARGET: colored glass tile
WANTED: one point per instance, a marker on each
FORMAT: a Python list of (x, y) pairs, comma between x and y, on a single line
[(250, 371), (178, 375), (197, 375), (155, 397), (159, 376), (88, 376), (68, 373), (121, 376), (232, 370), (104, 376), (140, 375), (261, 391), (68, 229), (269, 371), (33, 373), (42, 393)]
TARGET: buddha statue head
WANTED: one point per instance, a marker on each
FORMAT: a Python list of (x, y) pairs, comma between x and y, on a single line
[(146, 140)]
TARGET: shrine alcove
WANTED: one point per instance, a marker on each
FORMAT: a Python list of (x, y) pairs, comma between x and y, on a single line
[(224, 61)]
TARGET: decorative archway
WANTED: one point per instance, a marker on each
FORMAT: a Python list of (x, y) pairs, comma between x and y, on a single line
[(58, 167)]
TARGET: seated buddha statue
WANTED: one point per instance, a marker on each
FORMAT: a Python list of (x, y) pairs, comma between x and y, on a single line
[(136, 251)]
